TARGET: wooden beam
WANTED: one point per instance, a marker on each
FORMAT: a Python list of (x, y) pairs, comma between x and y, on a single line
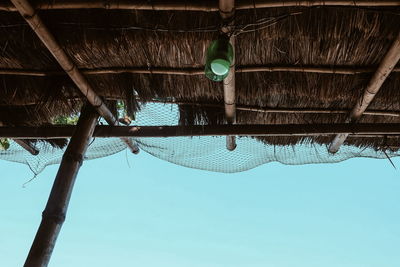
[(199, 71), (51, 132), (320, 111), (385, 68), (310, 69), (54, 214), (25, 145), (41, 30), (388, 113), (204, 6), (250, 4)]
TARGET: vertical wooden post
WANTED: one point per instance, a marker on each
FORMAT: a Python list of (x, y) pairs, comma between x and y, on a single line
[(227, 12), (54, 214)]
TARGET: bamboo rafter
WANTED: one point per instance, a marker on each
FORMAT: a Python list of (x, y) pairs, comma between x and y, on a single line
[(41, 30), (199, 71), (327, 111), (375, 84), (205, 6), (389, 113)]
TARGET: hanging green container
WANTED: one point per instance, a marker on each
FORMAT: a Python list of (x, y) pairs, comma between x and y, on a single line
[(219, 59)]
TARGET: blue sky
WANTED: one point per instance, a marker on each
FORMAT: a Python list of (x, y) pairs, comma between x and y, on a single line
[(154, 213)]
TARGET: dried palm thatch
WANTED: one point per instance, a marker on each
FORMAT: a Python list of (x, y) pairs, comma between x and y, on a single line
[(105, 40)]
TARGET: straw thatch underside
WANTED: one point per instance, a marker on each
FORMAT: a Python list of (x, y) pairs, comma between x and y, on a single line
[(318, 36)]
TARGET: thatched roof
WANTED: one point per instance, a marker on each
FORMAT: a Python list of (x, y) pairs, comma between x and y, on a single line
[(105, 40)]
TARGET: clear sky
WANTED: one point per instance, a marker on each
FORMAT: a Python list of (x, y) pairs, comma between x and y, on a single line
[(153, 213)]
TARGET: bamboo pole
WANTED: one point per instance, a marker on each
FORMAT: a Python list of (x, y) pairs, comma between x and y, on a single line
[(198, 71), (385, 68), (28, 147), (37, 25), (227, 12), (309, 69), (52, 132), (388, 113), (327, 111), (205, 6), (250, 4), (54, 214)]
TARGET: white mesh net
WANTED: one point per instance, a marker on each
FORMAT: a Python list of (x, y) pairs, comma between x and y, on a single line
[(206, 153)]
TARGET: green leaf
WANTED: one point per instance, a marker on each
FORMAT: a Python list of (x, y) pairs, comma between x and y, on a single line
[(66, 120), (4, 144)]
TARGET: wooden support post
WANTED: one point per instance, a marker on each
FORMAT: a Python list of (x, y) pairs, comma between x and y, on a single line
[(227, 12), (385, 68), (54, 214), (41, 30)]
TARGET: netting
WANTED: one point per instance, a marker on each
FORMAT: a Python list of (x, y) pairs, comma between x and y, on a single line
[(206, 153)]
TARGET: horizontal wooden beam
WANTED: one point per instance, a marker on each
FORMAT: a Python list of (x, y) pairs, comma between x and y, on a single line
[(388, 113), (325, 111), (348, 70), (51, 132), (205, 6), (25, 145)]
